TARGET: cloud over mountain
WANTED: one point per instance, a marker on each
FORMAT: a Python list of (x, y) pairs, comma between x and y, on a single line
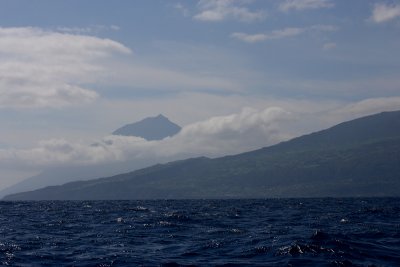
[(216, 136)]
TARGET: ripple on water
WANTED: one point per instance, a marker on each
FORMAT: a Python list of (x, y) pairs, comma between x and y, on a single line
[(355, 232)]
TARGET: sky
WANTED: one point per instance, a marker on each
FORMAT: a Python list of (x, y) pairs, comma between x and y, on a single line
[(236, 74)]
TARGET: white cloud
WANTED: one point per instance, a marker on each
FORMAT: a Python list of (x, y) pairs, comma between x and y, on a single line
[(259, 37), (218, 10), (250, 38), (329, 46), (88, 30), (304, 4), (250, 129), (280, 34), (385, 12), (40, 68), (217, 136), (369, 106)]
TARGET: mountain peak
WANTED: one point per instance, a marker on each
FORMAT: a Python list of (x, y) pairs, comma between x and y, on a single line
[(151, 128)]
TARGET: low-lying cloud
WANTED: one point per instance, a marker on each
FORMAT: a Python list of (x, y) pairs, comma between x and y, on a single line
[(217, 136)]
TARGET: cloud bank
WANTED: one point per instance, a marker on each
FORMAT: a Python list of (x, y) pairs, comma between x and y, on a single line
[(216, 136), (40, 68)]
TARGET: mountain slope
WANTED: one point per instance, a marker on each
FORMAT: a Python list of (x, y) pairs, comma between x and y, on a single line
[(154, 128), (355, 158), (64, 174)]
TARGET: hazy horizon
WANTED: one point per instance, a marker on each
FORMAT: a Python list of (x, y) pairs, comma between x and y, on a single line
[(235, 74)]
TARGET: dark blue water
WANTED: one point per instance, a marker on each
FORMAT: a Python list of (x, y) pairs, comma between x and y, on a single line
[(290, 232)]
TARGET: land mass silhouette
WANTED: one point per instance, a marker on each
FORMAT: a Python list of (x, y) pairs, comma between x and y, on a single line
[(358, 158)]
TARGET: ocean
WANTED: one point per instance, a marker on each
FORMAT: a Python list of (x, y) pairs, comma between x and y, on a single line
[(268, 232)]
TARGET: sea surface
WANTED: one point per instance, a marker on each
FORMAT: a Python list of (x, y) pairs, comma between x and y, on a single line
[(270, 232)]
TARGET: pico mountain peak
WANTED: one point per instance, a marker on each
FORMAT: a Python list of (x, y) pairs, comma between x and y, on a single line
[(151, 128)]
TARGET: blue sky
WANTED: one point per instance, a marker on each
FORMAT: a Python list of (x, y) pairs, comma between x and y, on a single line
[(76, 70)]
